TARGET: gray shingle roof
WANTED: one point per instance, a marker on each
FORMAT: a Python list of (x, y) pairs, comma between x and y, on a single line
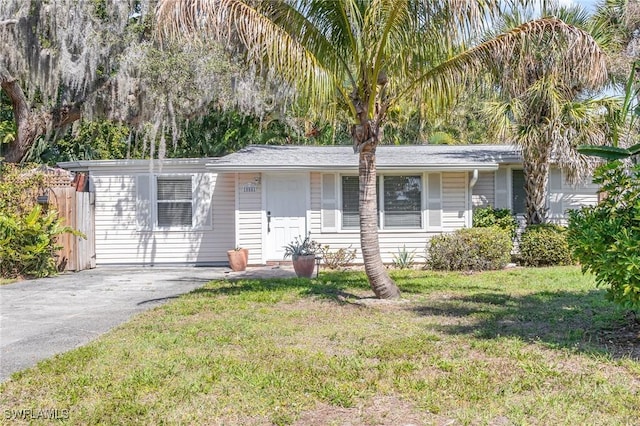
[(402, 157)]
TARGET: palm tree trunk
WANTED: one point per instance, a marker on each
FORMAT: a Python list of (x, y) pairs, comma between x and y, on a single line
[(536, 177), (381, 284)]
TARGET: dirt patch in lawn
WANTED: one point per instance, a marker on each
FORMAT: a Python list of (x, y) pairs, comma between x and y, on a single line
[(380, 410)]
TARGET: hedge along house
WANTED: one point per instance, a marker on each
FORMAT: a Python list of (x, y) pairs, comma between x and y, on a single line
[(191, 211)]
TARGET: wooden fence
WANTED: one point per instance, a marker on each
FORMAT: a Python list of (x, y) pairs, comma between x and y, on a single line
[(75, 206)]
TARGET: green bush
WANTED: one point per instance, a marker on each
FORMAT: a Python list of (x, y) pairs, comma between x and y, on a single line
[(475, 249), (19, 187), (544, 245), (27, 234), (605, 239), (28, 245), (484, 217)]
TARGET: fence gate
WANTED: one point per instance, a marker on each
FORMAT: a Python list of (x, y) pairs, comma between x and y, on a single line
[(75, 205)]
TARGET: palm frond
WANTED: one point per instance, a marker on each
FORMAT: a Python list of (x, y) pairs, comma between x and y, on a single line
[(265, 42), (579, 58)]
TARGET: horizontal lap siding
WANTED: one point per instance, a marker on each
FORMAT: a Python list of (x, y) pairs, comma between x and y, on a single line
[(454, 201), (484, 190), (572, 197), (250, 215), (118, 240)]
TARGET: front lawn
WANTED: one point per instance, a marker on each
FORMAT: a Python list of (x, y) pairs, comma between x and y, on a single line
[(522, 346)]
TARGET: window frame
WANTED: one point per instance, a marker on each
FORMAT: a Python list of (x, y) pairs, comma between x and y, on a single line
[(156, 201), (380, 203), (382, 213)]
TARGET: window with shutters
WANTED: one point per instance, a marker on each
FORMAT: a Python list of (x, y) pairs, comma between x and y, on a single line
[(174, 200), (399, 206)]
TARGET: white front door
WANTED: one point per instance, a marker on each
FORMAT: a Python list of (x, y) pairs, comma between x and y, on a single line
[(286, 205)]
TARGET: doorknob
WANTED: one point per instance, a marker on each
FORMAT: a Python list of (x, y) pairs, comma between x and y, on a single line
[(268, 221)]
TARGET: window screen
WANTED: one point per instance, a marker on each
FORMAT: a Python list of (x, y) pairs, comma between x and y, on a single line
[(174, 199), (350, 191), (402, 202)]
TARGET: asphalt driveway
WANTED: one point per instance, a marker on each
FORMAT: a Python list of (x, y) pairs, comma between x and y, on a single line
[(43, 317)]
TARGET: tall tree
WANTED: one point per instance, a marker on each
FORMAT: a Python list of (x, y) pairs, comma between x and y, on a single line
[(365, 57), (61, 60), (54, 55), (545, 105)]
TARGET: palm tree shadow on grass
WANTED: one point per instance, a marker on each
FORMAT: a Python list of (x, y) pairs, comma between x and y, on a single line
[(330, 286), (580, 321)]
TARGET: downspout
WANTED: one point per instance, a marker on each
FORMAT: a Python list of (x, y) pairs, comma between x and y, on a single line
[(472, 183), (474, 179)]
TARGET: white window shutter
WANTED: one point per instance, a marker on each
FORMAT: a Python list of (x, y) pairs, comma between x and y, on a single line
[(202, 200), (329, 202), (502, 189), (555, 192), (144, 206), (434, 201)]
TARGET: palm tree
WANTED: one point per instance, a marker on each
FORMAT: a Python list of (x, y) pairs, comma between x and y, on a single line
[(545, 107), (366, 56)]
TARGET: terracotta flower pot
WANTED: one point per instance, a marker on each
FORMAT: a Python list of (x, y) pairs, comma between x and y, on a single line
[(304, 265), (238, 259)]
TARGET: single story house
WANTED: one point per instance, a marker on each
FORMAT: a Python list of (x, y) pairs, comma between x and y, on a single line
[(191, 211)]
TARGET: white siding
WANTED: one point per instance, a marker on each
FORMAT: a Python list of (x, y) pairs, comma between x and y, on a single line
[(119, 240), (568, 197), (484, 190), (249, 214)]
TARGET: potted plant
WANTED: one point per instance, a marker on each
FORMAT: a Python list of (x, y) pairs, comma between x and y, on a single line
[(303, 254), (238, 258)]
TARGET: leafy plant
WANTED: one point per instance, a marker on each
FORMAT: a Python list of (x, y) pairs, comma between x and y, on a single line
[(301, 247), (404, 259), (19, 187), (621, 121), (28, 243), (544, 245), (470, 249), (336, 259), (605, 238), (485, 217)]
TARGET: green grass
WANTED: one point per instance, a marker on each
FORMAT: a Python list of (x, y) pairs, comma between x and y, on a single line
[(4, 281), (523, 346)]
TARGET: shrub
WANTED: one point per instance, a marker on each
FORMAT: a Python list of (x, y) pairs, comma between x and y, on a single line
[(474, 249), (19, 188), (544, 245), (485, 217), (339, 258), (605, 239), (27, 233), (27, 243)]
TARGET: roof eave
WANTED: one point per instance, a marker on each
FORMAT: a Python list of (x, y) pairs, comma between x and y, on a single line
[(384, 167)]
